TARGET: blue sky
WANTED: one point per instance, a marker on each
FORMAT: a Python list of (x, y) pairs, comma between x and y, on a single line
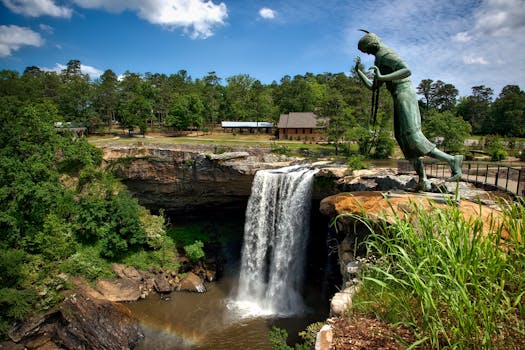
[(463, 42)]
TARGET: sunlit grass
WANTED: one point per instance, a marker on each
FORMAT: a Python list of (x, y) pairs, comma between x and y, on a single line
[(456, 287)]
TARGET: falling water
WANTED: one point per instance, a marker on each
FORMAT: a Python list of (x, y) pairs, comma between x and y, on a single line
[(275, 238)]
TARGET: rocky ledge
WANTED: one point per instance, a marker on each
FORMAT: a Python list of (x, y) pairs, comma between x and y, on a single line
[(84, 320), (176, 177)]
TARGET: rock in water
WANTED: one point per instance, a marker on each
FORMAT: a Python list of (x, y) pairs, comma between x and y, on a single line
[(192, 283)]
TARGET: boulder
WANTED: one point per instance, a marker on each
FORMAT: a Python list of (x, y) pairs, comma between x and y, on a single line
[(120, 289), (324, 339), (342, 301), (389, 205), (161, 284), (192, 283), (81, 322)]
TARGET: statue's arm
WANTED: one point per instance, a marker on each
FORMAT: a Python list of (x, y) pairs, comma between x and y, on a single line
[(362, 76), (396, 75)]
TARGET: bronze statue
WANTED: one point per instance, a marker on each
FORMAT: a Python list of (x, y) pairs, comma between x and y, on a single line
[(390, 69)]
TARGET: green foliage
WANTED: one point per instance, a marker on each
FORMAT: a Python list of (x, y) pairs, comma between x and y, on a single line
[(309, 335), (87, 262), (16, 302), (356, 162), (186, 235), (280, 149), (59, 212), (384, 145), (453, 284), (454, 130), (195, 251), (278, 337), (495, 148)]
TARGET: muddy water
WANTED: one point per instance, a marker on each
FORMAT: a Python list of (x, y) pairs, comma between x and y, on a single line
[(205, 321), (208, 321)]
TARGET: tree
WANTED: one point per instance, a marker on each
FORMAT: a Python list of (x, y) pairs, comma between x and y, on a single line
[(186, 110), (452, 129), (476, 107), (508, 112), (443, 96), (136, 113), (424, 88), (106, 100), (73, 68), (212, 95), (338, 116)]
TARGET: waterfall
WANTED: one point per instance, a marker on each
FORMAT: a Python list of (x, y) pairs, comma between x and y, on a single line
[(275, 238)]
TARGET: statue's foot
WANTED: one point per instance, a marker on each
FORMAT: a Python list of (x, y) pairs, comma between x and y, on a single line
[(423, 186), (455, 168)]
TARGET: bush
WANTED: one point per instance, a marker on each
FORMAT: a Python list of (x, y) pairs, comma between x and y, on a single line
[(356, 162), (384, 146), (194, 251)]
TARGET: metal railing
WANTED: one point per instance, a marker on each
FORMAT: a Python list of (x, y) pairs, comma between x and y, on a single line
[(500, 176)]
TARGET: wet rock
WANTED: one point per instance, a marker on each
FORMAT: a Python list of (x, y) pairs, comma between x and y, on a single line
[(161, 284), (81, 322), (121, 289), (192, 283)]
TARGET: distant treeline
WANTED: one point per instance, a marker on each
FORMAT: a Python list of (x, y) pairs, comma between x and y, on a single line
[(181, 102)]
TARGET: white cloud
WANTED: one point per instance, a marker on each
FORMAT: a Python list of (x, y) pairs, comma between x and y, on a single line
[(89, 70), (462, 42), (474, 60), (198, 18), (500, 17), (46, 28), (36, 8), (267, 13), (462, 37), (12, 38)]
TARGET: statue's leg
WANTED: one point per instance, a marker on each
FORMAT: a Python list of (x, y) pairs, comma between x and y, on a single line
[(454, 162), (423, 184)]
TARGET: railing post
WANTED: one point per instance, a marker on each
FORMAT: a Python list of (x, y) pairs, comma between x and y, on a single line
[(486, 174), (468, 171), (497, 177), (507, 181), (519, 182), (477, 171)]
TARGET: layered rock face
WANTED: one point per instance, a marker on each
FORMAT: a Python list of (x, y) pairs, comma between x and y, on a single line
[(85, 320), (176, 177)]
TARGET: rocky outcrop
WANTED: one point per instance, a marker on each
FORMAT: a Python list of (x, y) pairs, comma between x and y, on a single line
[(387, 206), (177, 177), (192, 283), (84, 320)]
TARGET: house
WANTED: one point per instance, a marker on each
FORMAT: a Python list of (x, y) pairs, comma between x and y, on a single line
[(304, 126), (247, 126)]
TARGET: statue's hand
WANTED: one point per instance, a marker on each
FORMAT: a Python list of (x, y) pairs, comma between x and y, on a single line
[(377, 73), (357, 63)]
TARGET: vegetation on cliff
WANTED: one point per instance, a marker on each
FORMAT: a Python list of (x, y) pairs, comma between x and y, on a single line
[(60, 213)]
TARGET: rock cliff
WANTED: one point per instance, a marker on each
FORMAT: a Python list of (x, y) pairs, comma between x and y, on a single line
[(176, 177)]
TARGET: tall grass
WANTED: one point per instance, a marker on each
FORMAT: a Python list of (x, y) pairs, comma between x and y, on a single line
[(454, 285)]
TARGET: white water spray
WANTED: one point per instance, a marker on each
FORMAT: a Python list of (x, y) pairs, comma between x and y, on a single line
[(275, 238)]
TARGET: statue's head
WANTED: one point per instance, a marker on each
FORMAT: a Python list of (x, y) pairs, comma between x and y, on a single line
[(369, 43)]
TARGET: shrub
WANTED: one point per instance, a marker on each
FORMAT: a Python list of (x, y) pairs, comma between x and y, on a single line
[(356, 162), (194, 251)]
